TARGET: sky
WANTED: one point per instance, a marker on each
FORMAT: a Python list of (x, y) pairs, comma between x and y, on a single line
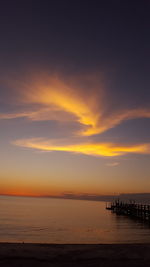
[(74, 97)]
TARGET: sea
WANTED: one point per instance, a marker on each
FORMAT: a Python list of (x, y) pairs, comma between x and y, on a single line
[(66, 221)]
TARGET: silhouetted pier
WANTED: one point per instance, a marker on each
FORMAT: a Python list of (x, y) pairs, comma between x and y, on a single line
[(131, 209)]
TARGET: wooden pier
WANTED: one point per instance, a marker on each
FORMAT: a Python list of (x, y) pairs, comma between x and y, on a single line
[(131, 209)]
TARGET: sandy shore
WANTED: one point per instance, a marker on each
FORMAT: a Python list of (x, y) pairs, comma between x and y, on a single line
[(117, 255)]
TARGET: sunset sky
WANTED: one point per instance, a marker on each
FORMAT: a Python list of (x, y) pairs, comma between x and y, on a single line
[(74, 97)]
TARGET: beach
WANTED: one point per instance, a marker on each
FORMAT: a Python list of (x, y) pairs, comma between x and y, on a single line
[(55, 255)]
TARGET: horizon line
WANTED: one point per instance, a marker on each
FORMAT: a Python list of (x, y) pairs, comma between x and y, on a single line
[(92, 197)]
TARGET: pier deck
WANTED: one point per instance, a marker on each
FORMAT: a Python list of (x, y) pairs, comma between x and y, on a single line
[(132, 209)]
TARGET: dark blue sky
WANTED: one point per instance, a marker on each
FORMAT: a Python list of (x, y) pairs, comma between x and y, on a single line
[(112, 37)]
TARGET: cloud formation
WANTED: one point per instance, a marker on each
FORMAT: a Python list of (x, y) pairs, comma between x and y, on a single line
[(57, 95), (92, 149), (112, 164), (40, 114), (60, 100)]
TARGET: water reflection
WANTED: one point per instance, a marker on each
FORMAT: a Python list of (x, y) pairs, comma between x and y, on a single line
[(66, 221)]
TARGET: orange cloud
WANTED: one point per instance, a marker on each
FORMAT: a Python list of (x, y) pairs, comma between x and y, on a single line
[(41, 114), (62, 101), (118, 117), (60, 96), (93, 149)]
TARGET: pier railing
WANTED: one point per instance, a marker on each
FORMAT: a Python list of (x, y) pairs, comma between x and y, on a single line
[(132, 209)]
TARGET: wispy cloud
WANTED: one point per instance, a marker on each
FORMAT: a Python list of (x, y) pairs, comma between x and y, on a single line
[(112, 164), (55, 98), (61, 96), (93, 149), (61, 100), (40, 114)]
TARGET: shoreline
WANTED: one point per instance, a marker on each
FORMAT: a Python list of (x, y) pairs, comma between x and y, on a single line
[(80, 255)]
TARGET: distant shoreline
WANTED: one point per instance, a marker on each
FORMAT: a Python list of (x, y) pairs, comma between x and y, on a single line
[(137, 197), (55, 255)]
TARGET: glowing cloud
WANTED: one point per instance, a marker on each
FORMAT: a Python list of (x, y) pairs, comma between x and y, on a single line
[(88, 109), (93, 149), (59, 96), (118, 117), (41, 114), (56, 99)]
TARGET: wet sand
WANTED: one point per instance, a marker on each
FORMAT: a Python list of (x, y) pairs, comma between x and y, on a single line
[(118, 255)]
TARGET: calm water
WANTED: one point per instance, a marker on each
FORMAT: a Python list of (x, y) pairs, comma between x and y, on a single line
[(65, 221)]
